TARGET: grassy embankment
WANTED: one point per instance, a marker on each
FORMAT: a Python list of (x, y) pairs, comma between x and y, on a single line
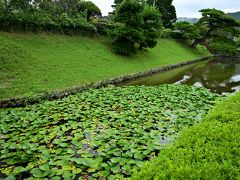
[(37, 63), (209, 150)]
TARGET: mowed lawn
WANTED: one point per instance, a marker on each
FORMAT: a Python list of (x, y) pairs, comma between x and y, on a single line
[(37, 63)]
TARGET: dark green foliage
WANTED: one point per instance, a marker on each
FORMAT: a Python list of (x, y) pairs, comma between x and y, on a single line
[(38, 22), (67, 6), (124, 39), (215, 29), (167, 10), (188, 30), (90, 8), (210, 150), (138, 29), (151, 25), (1, 8), (165, 7), (98, 133), (211, 22), (104, 26), (55, 16), (223, 47), (129, 13), (126, 36)]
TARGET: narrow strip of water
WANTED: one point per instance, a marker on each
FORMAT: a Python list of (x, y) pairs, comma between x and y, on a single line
[(218, 75)]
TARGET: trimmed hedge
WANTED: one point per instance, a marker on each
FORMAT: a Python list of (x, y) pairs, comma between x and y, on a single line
[(210, 150), (104, 27), (42, 23)]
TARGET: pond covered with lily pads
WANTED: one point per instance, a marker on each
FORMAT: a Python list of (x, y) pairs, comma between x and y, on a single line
[(218, 75), (97, 134)]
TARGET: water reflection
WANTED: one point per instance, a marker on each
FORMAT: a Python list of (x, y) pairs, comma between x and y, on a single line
[(218, 75)]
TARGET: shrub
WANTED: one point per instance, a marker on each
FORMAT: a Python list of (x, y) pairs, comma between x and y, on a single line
[(210, 150), (104, 26), (36, 22), (151, 25), (139, 29), (90, 8), (223, 47), (125, 39), (189, 31), (170, 34)]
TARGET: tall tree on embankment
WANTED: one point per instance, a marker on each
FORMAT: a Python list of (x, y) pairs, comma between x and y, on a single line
[(138, 27), (89, 8), (167, 10), (165, 7), (215, 30), (212, 22)]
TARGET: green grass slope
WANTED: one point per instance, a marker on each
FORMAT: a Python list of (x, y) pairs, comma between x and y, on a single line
[(210, 150), (37, 63)]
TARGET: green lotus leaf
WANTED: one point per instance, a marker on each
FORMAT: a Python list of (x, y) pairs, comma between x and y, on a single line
[(38, 173), (44, 167), (19, 169), (116, 169)]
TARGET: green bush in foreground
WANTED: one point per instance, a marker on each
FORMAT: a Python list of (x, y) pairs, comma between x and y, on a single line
[(210, 150), (98, 133)]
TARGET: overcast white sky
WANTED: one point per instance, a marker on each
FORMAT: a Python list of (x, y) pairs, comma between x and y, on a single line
[(185, 8)]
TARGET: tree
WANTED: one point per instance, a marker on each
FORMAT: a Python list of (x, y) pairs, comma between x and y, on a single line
[(214, 20), (151, 25), (139, 25), (125, 37), (167, 11), (188, 30), (66, 6), (223, 46), (2, 8), (90, 8), (165, 7), (21, 5), (46, 6)]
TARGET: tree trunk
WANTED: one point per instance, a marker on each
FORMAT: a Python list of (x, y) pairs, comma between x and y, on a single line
[(203, 39), (195, 43)]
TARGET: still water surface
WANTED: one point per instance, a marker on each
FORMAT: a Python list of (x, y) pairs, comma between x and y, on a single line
[(218, 75)]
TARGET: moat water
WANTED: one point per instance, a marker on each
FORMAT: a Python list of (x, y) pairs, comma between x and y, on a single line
[(218, 75)]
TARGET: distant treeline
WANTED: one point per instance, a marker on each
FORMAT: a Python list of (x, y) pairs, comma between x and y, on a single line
[(64, 16), (235, 15)]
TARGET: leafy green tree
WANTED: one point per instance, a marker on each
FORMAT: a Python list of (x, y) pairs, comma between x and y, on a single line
[(167, 11), (129, 13), (139, 26), (1, 7), (21, 5), (165, 7), (66, 6), (46, 6), (126, 36), (151, 25), (212, 21), (89, 8), (223, 46), (124, 39), (188, 30)]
